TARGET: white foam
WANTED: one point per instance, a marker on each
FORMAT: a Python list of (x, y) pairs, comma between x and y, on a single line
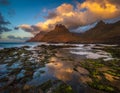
[(91, 53)]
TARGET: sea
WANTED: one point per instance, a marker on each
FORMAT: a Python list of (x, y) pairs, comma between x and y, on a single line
[(30, 44), (18, 44)]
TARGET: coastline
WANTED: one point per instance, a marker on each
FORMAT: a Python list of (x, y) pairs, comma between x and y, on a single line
[(40, 65)]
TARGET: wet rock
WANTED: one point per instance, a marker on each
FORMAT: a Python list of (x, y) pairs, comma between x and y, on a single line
[(110, 77), (26, 87), (21, 74), (26, 47), (32, 89), (11, 80), (16, 65), (62, 88), (22, 55), (85, 79), (42, 71), (82, 71), (38, 73), (3, 69), (53, 59), (12, 89), (46, 85)]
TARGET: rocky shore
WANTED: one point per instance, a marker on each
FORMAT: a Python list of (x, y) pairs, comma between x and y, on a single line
[(69, 68)]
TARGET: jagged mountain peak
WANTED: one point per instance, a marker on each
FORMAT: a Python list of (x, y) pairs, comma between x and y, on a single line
[(101, 23), (60, 28)]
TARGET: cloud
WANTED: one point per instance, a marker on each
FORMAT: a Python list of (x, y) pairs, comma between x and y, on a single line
[(29, 28), (4, 2), (3, 24), (85, 13), (26, 27), (102, 10), (16, 28), (18, 38), (2, 21), (51, 14), (64, 8), (105, 1), (4, 29)]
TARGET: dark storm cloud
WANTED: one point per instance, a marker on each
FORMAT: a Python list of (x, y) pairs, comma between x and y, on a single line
[(18, 38), (4, 2), (4, 29), (3, 24)]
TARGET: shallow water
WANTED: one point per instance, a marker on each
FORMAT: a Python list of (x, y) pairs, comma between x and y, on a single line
[(64, 69), (64, 65)]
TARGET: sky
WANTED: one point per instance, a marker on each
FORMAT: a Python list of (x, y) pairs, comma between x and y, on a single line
[(22, 19)]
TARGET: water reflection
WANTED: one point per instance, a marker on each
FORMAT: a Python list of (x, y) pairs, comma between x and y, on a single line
[(60, 71), (56, 69), (63, 70)]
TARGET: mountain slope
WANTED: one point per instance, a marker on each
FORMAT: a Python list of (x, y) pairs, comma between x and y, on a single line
[(60, 34), (38, 37), (101, 33), (106, 33)]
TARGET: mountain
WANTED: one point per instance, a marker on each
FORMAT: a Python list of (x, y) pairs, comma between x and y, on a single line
[(101, 33), (38, 37), (59, 34)]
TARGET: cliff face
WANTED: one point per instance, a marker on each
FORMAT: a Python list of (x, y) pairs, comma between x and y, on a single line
[(102, 33)]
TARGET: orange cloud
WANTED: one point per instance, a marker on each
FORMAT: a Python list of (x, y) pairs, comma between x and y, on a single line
[(64, 8), (84, 13), (105, 11)]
